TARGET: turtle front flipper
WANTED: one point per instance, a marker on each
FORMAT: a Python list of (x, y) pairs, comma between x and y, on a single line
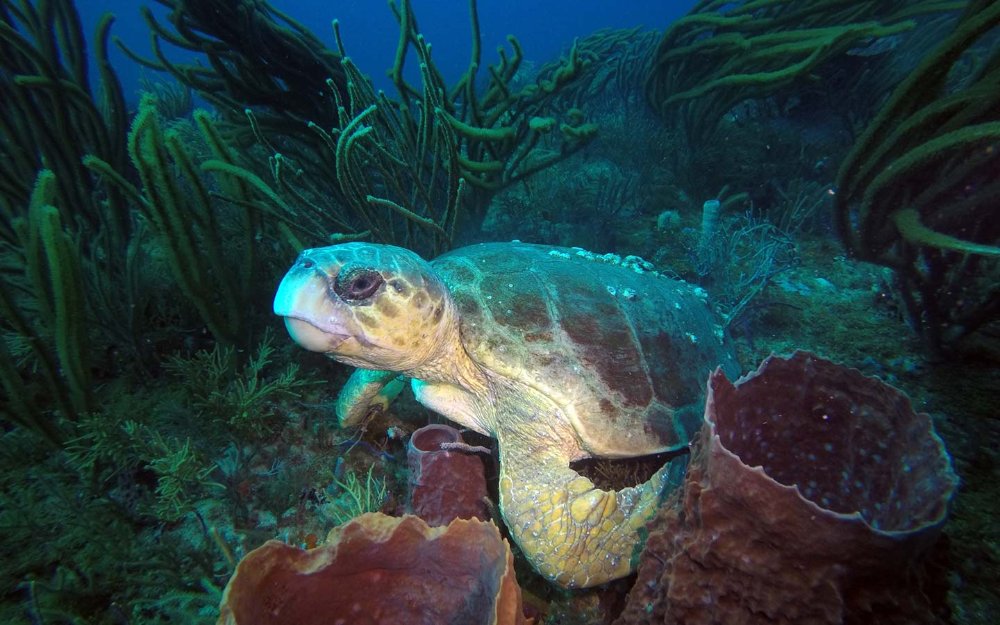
[(573, 533), (366, 393)]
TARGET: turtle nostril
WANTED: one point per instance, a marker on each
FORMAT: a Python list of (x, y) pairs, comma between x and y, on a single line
[(307, 263)]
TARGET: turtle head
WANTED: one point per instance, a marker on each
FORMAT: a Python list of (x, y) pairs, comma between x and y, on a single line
[(367, 305)]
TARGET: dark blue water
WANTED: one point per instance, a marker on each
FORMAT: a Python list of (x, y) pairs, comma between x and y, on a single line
[(545, 29)]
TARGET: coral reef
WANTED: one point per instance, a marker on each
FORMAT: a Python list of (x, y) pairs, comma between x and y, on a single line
[(812, 495), (446, 482), (380, 569), (152, 433)]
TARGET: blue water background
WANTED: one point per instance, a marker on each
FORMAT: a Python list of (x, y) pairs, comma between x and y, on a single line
[(545, 29)]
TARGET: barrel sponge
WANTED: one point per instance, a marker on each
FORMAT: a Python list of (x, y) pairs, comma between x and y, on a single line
[(379, 569), (813, 495), (446, 481)]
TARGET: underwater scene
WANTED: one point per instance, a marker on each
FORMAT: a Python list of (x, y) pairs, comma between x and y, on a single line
[(563, 313)]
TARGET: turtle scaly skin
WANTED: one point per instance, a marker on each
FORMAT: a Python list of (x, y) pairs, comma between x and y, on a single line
[(574, 533), (557, 353)]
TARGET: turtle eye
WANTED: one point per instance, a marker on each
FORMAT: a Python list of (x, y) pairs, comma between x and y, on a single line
[(357, 285)]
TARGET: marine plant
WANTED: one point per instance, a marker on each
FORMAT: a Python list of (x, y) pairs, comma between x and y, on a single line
[(918, 191), (52, 328), (82, 528), (724, 53), (241, 397), (743, 257), (353, 497), (208, 238), (218, 404), (56, 229), (74, 518), (402, 170), (52, 116)]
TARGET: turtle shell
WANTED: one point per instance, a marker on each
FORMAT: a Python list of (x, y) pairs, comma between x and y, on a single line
[(624, 351)]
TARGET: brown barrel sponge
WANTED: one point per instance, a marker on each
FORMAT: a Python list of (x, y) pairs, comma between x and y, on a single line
[(813, 493), (379, 569)]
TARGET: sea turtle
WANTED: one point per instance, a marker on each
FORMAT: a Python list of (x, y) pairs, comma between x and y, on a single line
[(558, 353)]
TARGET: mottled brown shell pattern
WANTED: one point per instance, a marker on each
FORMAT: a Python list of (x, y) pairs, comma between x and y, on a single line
[(623, 350)]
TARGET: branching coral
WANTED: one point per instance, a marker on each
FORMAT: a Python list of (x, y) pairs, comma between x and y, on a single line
[(208, 232), (615, 63)]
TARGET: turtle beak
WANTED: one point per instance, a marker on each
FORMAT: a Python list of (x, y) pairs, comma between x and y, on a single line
[(312, 338), (310, 309)]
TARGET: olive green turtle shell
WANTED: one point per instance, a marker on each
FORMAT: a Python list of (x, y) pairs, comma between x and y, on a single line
[(624, 351)]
